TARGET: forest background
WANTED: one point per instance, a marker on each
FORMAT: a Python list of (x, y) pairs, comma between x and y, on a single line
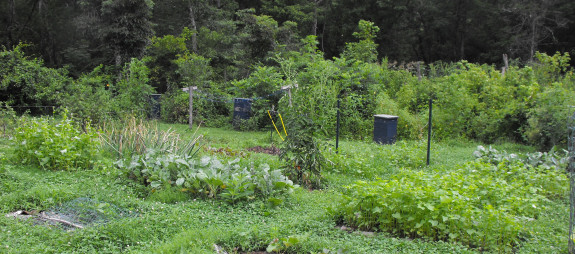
[(104, 57)]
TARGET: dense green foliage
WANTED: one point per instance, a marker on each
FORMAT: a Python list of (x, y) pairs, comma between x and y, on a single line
[(236, 34), (100, 61), (167, 220), (301, 151), (27, 82), (55, 145), (523, 103), (207, 177), (477, 204)]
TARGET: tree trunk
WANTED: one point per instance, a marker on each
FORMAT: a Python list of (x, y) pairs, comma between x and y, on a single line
[(461, 27), (314, 25), (11, 22), (533, 39), (194, 27)]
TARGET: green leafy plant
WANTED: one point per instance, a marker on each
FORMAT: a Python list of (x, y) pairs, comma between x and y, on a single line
[(282, 244), (55, 144), (300, 152), (207, 177), (546, 160), (477, 204), (8, 119), (88, 97), (133, 89)]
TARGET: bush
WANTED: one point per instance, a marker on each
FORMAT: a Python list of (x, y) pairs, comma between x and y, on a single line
[(55, 144), (25, 81), (175, 107), (87, 98), (133, 89), (8, 119), (547, 120)]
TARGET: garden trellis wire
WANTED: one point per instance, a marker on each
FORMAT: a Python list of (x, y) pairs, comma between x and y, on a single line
[(222, 99)]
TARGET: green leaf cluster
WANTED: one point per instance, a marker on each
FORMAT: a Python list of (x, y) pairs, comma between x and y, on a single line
[(301, 151), (477, 204), (25, 81), (547, 160), (55, 144), (207, 177)]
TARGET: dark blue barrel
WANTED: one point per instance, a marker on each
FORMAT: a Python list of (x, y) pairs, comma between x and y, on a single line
[(155, 105), (242, 108), (385, 129)]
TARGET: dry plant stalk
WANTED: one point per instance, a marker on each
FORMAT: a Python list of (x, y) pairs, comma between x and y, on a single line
[(135, 136)]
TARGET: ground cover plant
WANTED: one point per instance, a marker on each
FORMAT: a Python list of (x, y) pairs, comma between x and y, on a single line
[(170, 220)]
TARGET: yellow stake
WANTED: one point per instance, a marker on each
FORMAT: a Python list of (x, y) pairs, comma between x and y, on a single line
[(276, 126), (283, 123)]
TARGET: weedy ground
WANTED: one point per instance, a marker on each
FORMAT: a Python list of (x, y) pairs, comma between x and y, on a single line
[(168, 221)]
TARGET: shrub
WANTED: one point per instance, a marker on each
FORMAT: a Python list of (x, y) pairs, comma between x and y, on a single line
[(133, 90), (8, 119), (55, 144), (26, 81), (175, 107), (87, 98), (547, 119)]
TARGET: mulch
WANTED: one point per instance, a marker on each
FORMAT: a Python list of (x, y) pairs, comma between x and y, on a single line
[(269, 150)]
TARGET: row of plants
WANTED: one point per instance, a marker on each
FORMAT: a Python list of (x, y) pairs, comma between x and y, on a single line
[(129, 136), (477, 204), (353, 161), (553, 159), (156, 158), (207, 177), (55, 144)]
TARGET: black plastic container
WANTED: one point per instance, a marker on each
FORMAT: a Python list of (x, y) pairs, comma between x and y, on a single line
[(385, 129), (242, 109), (155, 104)]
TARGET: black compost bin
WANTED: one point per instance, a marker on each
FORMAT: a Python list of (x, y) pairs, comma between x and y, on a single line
[(242, 109), (155, 105), (385, 129)]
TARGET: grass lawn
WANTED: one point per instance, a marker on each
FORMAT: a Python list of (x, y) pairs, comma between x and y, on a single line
[(167, 221)]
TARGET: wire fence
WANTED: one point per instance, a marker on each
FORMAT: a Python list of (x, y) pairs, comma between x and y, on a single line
[(223, 99), (32, 110)]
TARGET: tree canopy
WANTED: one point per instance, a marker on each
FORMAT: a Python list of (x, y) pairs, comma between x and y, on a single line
[(83, 34)]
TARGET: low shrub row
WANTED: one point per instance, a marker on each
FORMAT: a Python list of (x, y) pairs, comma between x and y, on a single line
[(207, 177), (477, 204)]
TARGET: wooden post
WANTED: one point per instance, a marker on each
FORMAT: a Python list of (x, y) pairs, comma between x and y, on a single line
[(191, 92), (506, 62), (418, 72), (289, 94)]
